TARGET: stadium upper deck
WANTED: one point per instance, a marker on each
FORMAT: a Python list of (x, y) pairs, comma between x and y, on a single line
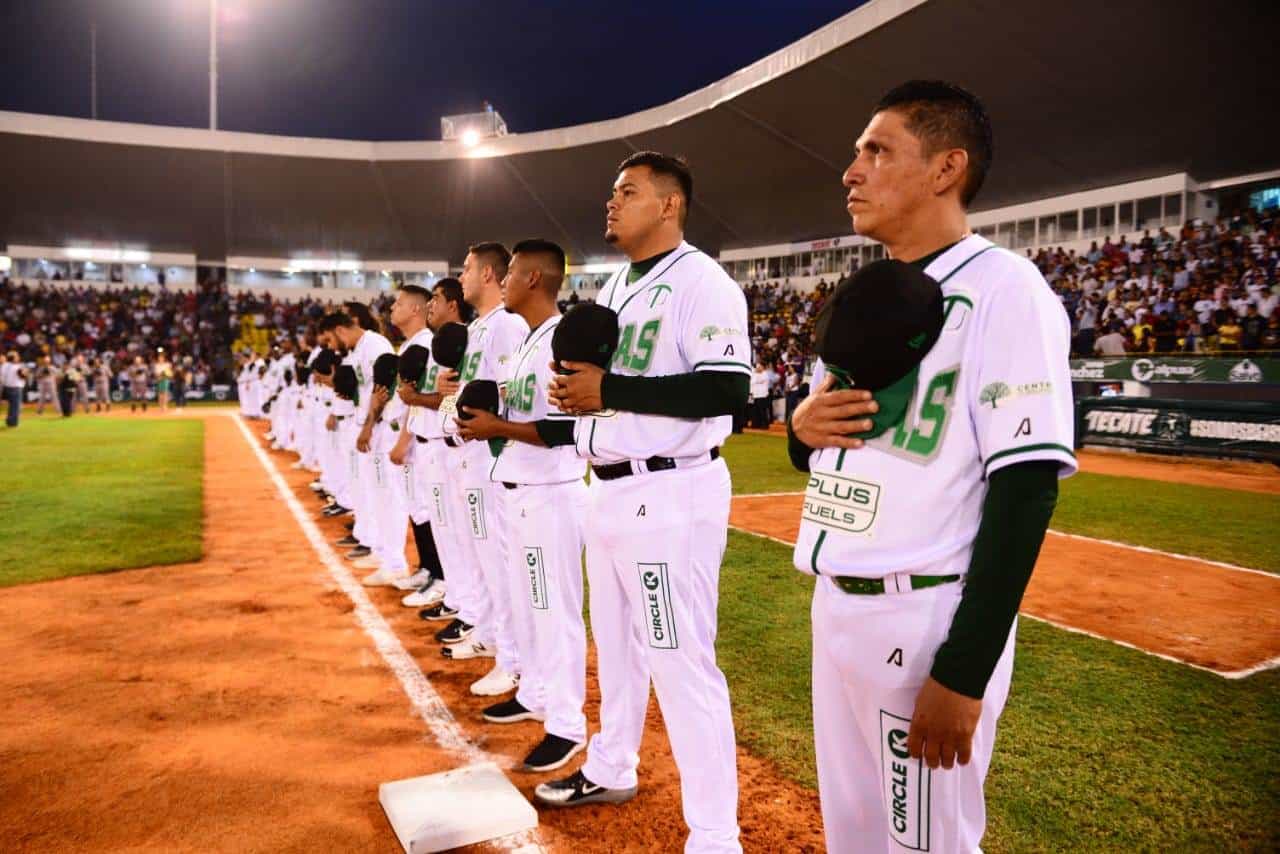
[(1091, 94)]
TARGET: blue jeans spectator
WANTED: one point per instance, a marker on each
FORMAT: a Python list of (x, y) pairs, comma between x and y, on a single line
[(13, 394)]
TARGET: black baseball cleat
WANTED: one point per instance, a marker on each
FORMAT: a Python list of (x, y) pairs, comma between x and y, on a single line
[(336, 510), (455, 632), (552, 753), (348, 540), (576, 790), (437, 612), (359, 552), (508, 712)]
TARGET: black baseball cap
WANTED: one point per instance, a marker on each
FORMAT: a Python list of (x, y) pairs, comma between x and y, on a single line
[(875, 330), (449, 344), (344, 382), (413, 361), (478, 394), (384, 370), (587, 333)]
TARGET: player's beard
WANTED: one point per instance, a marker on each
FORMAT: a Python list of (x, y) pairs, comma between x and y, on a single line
[(610, 236)]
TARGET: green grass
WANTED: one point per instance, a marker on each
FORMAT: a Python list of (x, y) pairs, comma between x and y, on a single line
[(1100, 747), (1217, 524), (82, 495)]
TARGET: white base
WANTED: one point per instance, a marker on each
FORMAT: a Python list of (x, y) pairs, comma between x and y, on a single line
[(455, 808)]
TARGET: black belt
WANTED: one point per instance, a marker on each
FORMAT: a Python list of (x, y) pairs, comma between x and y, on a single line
[(451, 442), (613, 471), (509, 485), (875, 586), (340, 417), (421, 441)]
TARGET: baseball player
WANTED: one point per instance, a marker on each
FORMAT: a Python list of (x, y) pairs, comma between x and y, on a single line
[(433, 497), (543, 500), (928, 497), (492, 340), (46, 384), (139, 378), (652, 428), (162, 368), (364, 345), (101, 372), (409, 314)]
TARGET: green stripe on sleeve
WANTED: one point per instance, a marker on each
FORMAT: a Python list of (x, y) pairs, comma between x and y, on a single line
[(1027, 449)]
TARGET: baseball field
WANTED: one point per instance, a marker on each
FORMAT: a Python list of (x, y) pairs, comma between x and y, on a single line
[(234, 690)]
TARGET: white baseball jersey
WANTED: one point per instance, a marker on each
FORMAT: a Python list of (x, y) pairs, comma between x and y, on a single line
[(995, 390), (491, 342), (367, 350), (395, 410), (687, 298), (526, 400), (426, 422)]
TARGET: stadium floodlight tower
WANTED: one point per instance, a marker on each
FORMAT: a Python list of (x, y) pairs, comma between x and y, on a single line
[(471, 128)]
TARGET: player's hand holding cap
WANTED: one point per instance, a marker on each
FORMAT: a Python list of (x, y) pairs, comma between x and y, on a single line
[(384, 370), (478, 394), (413, 361), (587, 333), (449, 344), (344, 381), (874, 331)]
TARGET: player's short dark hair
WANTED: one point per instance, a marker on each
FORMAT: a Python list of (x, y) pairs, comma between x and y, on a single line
[(943, 115), (334, 319), (549, 251), (416, 290), (451, 289), (362, 315), (669, 166), (493, 254)]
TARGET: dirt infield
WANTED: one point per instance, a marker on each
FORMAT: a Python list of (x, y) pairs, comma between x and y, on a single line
[(1225, 474), (235, 705), (1187, 609)]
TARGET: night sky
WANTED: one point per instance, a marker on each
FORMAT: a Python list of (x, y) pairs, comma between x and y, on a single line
[(383, 69)]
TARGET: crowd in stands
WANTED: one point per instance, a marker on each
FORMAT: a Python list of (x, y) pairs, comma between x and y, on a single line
[(1209, 287)]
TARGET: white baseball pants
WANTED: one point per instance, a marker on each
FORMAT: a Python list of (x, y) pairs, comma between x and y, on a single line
[(544, 559), (654, 572), (871, 656)]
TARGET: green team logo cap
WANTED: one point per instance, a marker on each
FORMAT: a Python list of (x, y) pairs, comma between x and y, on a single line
[(874, 331)]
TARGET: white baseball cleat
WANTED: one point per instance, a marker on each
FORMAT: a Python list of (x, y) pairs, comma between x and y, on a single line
[(467, 649), (413, 582), (426, 595), (381, 578), (316, 486), (367, 562), (297, 465), (498, 681)]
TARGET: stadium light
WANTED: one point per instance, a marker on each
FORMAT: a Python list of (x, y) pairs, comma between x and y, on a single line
[(471, 138)]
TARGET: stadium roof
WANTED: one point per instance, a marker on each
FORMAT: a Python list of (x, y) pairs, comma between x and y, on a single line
[(1082, 94)]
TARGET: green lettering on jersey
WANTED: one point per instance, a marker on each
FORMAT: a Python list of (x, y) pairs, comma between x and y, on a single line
[(635, 350), (427, 382), (520, 394), (923, 436), (469, 366)]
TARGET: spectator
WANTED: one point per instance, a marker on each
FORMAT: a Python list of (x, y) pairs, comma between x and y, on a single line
[(1229, 333), (13, 379), (761, 417), (1111, 344), (1252, 325)]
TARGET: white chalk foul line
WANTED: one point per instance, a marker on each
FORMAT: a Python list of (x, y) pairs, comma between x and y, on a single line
[(425, 701), (1268, 664)]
